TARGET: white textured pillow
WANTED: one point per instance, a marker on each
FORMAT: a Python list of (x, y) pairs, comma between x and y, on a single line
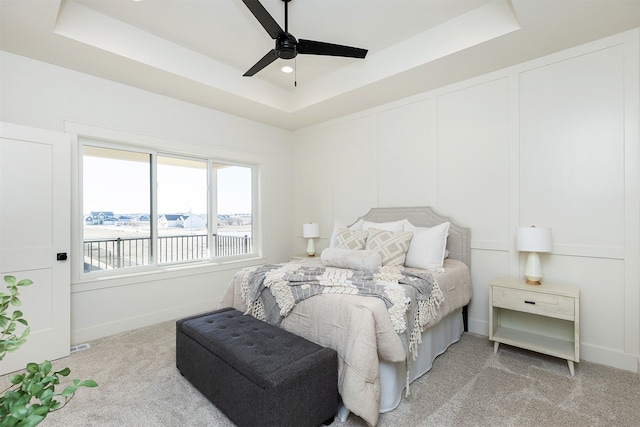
[(391, 246), (352, 259), (394, 226), (350, 239), (428, 247)]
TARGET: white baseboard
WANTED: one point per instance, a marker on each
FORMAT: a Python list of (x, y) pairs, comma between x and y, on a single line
[(479, 327), (638, 370), (123, 325), (609, 357)]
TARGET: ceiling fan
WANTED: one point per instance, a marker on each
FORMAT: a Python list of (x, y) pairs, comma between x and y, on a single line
[(287, 47)]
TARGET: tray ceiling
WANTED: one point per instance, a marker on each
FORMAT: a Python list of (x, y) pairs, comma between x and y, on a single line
[(197, 50)]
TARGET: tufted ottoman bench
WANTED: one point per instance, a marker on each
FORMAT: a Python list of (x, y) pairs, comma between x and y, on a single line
[(257, 374)]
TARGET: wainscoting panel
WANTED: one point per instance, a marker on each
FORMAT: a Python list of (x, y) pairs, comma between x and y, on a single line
[(486, 265), (572, 149), (353, 169), (473, 158), (313, 188), (403, 147)]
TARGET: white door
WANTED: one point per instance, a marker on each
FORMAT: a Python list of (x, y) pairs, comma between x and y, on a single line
[(34, 228)]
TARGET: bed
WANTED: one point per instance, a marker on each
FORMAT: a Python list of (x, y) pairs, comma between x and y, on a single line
[(376, 362)]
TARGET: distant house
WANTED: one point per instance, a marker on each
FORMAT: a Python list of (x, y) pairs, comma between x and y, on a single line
[(170, 220), (125, 220), (194, 221), (101, 218)]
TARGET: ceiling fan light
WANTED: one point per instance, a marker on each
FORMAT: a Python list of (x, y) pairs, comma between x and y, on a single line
[(287, 69)]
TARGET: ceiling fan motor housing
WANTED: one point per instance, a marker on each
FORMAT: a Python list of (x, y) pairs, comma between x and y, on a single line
[(286, 46)]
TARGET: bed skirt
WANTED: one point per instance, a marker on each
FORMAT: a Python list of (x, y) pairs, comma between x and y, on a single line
[(435, 341)]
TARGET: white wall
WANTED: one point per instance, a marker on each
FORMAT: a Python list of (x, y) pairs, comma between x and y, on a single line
[(40, 95), (552, 142)]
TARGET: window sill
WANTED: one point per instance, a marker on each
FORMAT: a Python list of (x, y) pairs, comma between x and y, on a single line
[(88, 283)]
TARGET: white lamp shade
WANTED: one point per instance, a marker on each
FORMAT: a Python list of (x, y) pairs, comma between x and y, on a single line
[(534, 239), (311, 230)]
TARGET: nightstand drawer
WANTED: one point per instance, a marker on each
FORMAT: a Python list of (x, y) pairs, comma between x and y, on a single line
[(558, 306)]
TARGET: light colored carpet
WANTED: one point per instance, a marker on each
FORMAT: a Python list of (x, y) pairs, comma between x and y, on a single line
[(467, 386)]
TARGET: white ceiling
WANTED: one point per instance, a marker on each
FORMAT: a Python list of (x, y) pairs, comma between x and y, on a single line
[(197, 50)]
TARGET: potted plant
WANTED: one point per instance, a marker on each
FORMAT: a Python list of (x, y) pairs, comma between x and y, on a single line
[(32, 393)]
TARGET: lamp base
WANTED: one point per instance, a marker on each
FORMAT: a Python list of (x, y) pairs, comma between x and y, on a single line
[(533, 269), (311, 248)]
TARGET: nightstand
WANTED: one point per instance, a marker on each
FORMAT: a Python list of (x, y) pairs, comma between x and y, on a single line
[(302, 256), (543, 318)]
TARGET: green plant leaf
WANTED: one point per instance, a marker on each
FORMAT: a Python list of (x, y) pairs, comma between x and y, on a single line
[(45, 367), (41, 410), (16, 379), (46, 396), (64, 372), (32, 368), (69, 391), (19, 411), (36, 389), (88, 383), (24, 282), (32, 420), (11, 280)]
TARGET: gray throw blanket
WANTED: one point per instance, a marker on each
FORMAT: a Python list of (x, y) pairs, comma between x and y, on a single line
[(412, 298)]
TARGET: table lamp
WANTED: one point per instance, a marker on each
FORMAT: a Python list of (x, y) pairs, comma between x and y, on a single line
[(311, 231), (533, 240)]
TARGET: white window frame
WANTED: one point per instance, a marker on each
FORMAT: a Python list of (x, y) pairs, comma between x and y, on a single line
[(83, 134)]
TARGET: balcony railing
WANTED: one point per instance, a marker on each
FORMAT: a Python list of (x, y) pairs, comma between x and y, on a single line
[(109, 254)]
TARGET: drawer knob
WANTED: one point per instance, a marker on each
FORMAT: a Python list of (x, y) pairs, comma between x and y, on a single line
[(529, 302)]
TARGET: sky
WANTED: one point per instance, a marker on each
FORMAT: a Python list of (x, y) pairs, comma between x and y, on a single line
[(122, 186)]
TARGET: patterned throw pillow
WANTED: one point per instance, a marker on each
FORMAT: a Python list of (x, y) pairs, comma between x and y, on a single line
[(391, 246), (351, 239)]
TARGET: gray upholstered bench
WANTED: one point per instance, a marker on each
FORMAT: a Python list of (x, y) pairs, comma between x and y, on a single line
[(257, 374)]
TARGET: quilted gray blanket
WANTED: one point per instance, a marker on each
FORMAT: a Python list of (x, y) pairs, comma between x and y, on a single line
[(412, 298)]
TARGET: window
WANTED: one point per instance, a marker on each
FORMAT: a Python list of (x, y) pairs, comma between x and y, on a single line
[(234, 222), (117, 209), (201, 209), (182, 210)]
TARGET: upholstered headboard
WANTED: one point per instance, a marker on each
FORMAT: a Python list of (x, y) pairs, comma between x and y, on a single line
[(458, 243)]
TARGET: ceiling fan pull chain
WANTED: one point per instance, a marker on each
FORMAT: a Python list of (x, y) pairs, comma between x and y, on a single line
[(295, 72)]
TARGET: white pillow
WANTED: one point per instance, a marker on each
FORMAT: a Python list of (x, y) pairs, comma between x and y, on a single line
[(395, 226), (391, 246), (427, 248), (352, 259), (357, 225)]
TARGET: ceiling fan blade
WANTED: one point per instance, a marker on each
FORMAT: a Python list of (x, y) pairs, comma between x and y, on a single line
[(264, 18), (310, 47), (266, 60)]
